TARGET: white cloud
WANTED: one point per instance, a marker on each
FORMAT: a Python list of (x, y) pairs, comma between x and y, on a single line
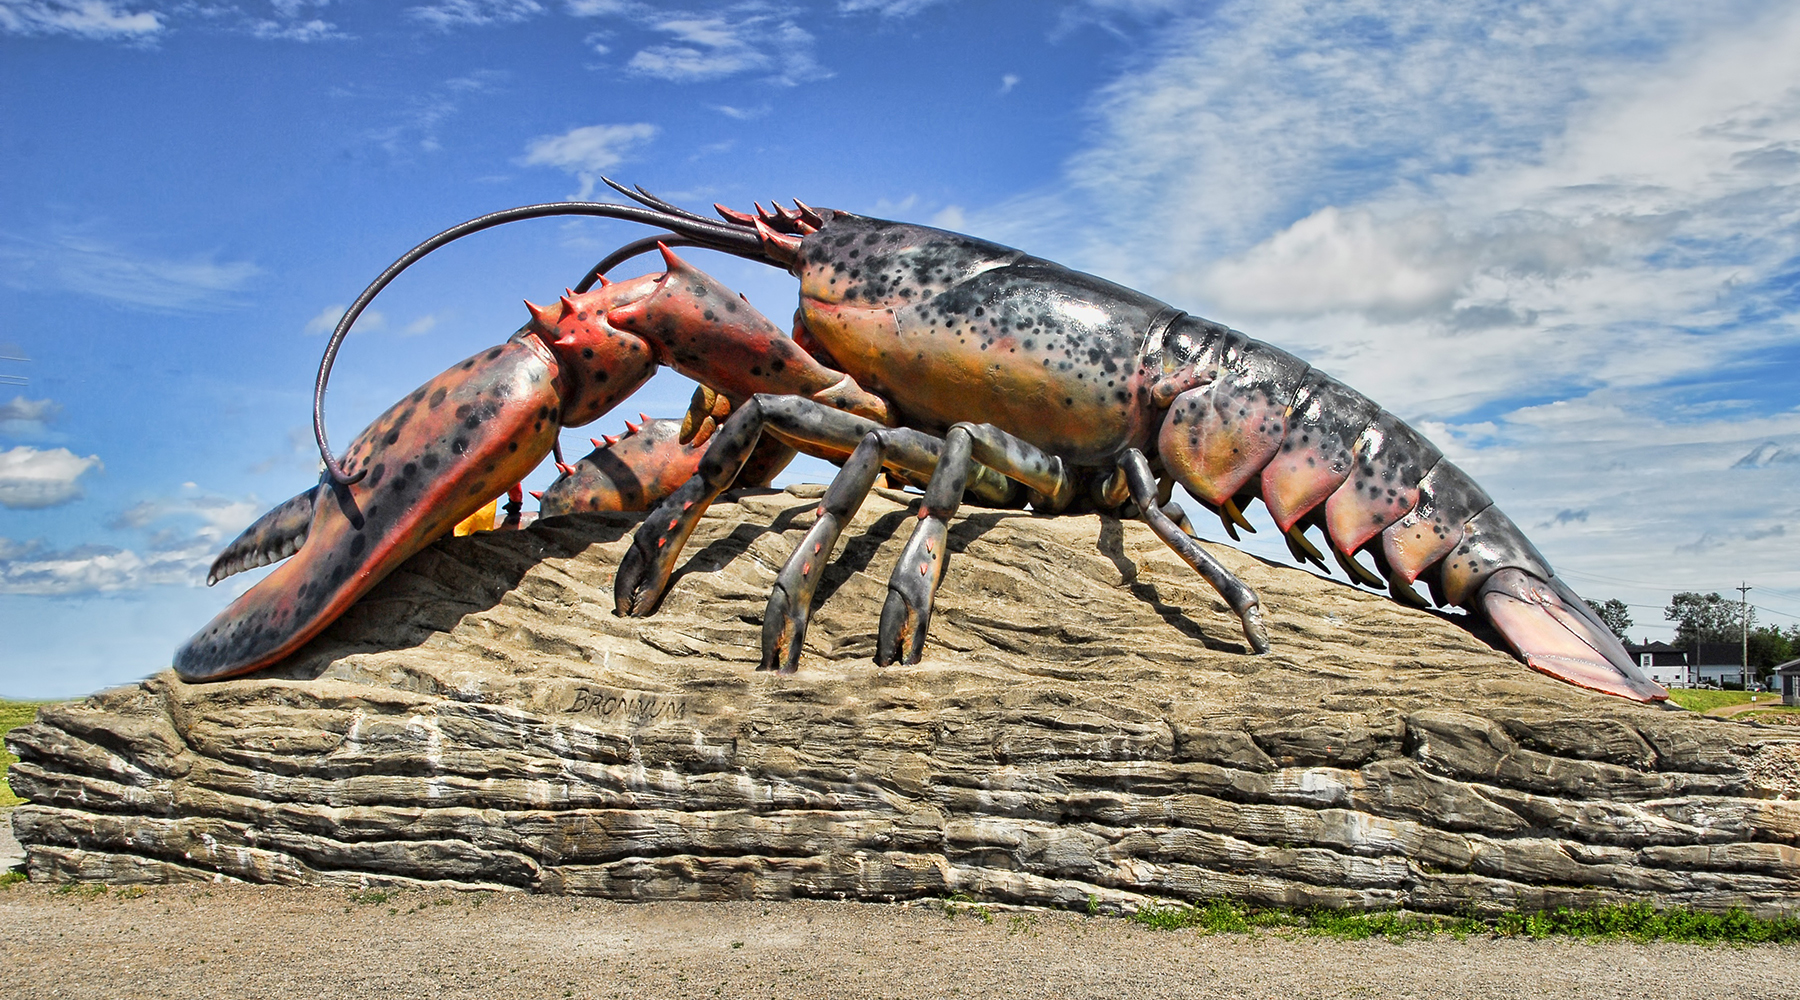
[(147, 21), (74, 261), (31, 568), (423, 325), (100, 20), (327, 321), (1008, 81), (27, 419), (1558, 237), (743, 114), (31, 479), (588, 151), (314, 30), (220, 518), (175, 550), (1453, 205), (447, 14), (425, 114), (747, 37), (887, 8), (33, 410)]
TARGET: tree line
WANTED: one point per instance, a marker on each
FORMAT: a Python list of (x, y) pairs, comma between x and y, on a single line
[(1713, 618)]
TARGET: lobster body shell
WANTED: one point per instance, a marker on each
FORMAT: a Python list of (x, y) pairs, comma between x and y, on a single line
[(950, 328), (954, 330)]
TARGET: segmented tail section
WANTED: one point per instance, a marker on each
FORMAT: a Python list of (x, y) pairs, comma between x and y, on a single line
[(1322, 455)]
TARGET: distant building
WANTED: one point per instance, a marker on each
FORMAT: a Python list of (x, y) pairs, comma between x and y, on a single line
[(1787, 678), (1713, 663), (1665, 664)]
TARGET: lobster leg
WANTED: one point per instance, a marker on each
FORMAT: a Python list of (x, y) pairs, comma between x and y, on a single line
[(906, 615), (791, 599), (810, 426), (1241, 598), (637, 469)]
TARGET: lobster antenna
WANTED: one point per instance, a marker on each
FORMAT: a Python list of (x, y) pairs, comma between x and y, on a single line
[(644, 197), (700, 231)]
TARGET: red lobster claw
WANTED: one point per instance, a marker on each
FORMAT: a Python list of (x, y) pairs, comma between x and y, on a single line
[(431, 460)]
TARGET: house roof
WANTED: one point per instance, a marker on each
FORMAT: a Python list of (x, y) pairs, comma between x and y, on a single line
[(1719, 654), (1790, 667)]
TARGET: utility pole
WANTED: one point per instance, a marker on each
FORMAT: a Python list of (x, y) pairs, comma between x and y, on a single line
[(1744, 628)]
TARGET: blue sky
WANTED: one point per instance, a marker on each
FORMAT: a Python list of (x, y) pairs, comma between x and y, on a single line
[(1561, 238)]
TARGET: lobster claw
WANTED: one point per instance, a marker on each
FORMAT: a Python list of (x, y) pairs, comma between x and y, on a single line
[(431, 460), (636, 471)]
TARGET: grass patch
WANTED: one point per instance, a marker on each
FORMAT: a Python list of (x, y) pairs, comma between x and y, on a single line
[(1702, 699), (13, 714), (1629, 921)]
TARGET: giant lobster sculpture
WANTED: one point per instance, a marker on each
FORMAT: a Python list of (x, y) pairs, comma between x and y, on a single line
[(966, 367)]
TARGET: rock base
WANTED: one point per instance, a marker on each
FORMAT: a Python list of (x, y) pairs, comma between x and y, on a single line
[(1086, 728)]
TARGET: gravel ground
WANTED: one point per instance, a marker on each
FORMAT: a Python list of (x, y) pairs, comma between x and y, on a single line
[(261, 941)]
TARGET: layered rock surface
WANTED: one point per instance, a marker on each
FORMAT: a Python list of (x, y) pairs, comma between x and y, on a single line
[(1086, 726)]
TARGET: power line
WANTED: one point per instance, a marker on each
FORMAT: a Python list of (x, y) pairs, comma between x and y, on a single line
[(1653, 607), (1659, 586)]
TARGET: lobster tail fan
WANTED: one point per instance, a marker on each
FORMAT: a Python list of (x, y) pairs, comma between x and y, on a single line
[(1556, 633)]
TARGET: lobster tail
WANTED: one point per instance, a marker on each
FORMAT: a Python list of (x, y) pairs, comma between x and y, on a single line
[(1556, 633), (1320, 453)]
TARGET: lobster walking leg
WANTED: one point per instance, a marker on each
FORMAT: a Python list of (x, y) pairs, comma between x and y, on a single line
[(791, 599), (907, 614), (809, 426), (1241, 598)]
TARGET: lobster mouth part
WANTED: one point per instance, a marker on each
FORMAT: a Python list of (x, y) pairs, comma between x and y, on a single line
[(431, 460)]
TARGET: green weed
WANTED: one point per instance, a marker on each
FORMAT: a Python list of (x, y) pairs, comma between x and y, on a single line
[(1643, 922), (1633, 921), (1702, 699), (13, 714)]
